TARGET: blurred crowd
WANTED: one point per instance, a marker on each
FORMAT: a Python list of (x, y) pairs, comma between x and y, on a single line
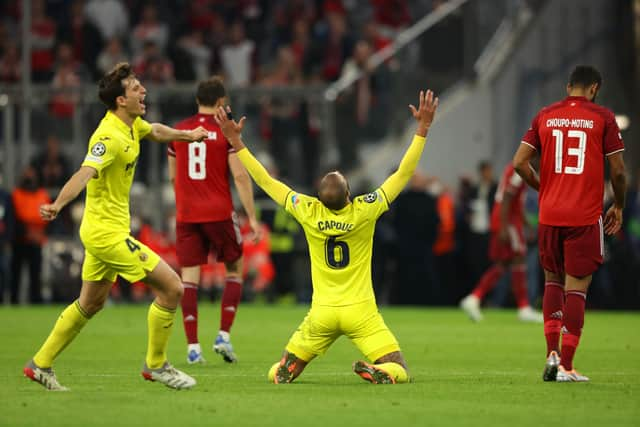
[(262, 43), (429, 249), (186, 40)]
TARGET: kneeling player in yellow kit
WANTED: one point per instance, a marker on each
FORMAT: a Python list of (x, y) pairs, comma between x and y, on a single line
[(107, 172), (340, 237)]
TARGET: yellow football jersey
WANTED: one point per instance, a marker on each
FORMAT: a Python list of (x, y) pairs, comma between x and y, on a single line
[(113, 151), (340, 245)]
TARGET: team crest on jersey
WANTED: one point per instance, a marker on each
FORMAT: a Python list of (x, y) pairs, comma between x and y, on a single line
[(370, 198), (98, 149), (294, 200), (143, 256)]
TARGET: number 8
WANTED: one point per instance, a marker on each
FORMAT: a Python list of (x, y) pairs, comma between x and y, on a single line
[(197, 158)]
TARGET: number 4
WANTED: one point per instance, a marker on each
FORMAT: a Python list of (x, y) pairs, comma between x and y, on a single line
[(132, 245), (577, 152)]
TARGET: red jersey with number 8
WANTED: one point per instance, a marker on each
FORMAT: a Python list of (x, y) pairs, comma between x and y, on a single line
[(202, 173), (572, 138)]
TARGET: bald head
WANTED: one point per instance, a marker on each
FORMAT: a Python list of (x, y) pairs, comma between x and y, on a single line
[(333, 191)]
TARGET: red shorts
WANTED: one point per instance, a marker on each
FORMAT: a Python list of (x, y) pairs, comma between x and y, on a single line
[(194, 240), (507, 250), (578, 251)]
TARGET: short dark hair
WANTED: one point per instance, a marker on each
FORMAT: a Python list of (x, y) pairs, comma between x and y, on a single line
[(210, 90), (111, 86), (585, 76)]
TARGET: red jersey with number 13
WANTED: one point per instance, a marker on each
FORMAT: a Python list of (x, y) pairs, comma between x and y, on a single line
[(202, 173), (572, 138)]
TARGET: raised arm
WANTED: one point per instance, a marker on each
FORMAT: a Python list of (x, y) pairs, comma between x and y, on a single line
[(232, 130), (424, 116), (164, 133), (70, 191)]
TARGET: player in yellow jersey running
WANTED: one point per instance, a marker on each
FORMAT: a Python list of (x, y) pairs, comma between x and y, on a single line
[(340, 237), (107, 173)]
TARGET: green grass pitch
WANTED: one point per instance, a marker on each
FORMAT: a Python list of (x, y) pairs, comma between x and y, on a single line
[(485, 374)]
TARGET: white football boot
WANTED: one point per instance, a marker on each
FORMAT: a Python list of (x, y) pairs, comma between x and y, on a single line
[(169, 376)]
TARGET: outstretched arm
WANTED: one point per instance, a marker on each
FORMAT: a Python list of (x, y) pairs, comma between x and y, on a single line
[(164, 133), (424, 116), (232, 130), (70, 191)]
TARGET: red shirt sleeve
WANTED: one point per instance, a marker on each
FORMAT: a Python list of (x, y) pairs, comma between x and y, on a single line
[(612, 138), (531, 138), (171, 149)]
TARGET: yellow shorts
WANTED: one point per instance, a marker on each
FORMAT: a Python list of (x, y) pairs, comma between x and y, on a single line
[(361, 323), (121, 255)]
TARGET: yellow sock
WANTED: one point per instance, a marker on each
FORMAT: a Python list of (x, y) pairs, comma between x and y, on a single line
[(160, 321), (395, 370), (68, 325)]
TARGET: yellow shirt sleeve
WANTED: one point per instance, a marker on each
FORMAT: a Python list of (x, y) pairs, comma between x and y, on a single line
[(300, 206), (277, 190), (143, 127), (397, 181), (374, 204), (102, 152)]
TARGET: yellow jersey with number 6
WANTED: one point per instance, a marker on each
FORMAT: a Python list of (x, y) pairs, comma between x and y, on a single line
[(340, 245), (113, 152)]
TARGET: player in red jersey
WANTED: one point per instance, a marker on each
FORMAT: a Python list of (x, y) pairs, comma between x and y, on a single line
[(572, 138), (507, 249), (205, 220)]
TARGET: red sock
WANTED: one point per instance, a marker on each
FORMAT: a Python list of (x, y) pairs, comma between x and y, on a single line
[(552, 310), (488, 280), (519, 284), (230, 300), (189, 305), (573, 322)]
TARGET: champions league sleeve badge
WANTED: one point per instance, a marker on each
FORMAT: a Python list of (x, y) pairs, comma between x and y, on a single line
[(98, 149), (370, 198)]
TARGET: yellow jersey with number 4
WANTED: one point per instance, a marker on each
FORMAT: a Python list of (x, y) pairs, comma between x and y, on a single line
[(340, 245), (113, 152)]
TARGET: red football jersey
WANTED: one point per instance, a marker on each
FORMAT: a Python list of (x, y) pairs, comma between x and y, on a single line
[(202, 173), (511, 183), (573, 137)]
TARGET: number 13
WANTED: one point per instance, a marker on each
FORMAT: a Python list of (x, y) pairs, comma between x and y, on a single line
[(577, 152)]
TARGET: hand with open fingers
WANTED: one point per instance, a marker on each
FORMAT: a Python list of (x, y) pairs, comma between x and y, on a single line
[(613, 220), (230, 128), (48, 212), (426, 109), (199, 133)]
